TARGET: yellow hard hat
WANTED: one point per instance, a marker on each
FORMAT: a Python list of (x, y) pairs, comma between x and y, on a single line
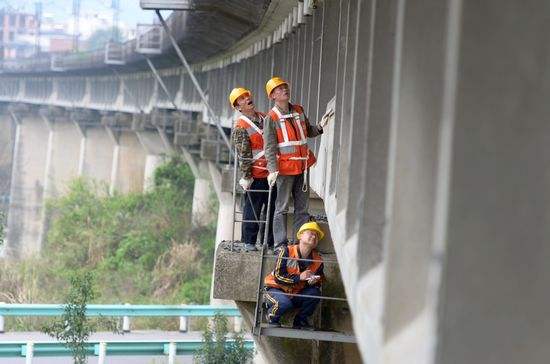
[(312, 225), (236, 93), (272, 83)]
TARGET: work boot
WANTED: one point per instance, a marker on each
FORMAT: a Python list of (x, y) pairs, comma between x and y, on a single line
[(250, 247), (273, 325), (303, 325)]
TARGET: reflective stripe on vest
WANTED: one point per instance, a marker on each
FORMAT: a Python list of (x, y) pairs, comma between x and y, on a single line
[(282, 125), (256, 153), (292, 267), (293, 153), (255, 135)]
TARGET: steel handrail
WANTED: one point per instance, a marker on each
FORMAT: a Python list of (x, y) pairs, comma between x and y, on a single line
[(119, 310)]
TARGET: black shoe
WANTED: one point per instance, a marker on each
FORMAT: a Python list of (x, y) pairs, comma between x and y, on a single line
[(303, 326), (250, 248), (273, 325)]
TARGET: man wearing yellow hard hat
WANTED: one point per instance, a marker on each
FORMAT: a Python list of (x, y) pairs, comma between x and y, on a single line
[(298, 271), (248, 140), (288, 156)]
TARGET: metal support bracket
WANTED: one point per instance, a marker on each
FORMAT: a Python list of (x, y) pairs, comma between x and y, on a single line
[(195, 81)]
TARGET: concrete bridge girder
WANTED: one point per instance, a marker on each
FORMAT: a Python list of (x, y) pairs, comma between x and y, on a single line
[(439, 129)]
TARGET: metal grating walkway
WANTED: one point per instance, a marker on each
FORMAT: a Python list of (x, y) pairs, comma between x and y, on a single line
[(307, 335)]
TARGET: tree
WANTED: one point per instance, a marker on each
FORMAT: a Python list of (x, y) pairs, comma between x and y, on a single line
[(74, 328), (100, 37), (217, 349)]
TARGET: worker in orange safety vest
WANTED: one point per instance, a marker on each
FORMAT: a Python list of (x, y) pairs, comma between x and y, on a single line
[(298, 271), (248, 139), (288, 156)]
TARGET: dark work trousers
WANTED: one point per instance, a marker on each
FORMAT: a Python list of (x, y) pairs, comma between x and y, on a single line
[(253, 204), (279, 303), (288, 186)]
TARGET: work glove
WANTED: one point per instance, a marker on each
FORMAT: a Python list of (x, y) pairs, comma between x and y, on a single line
[(272, 178), (245, 183), (324, 120)]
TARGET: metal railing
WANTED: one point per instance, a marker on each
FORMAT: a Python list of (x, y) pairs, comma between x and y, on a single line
[(125, 311), (101, 349)]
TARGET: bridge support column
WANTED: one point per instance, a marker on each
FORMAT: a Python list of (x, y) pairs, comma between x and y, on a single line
[(62, 160), (128, 166), (97, 155), (225, 213), (202, 211), (155, 148), (27, 186)]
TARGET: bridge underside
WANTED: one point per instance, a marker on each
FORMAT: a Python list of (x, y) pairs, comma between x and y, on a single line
[(432, 171)]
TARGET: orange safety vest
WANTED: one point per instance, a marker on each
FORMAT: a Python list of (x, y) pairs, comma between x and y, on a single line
[(292, 267), (293, 153), (255, 134)]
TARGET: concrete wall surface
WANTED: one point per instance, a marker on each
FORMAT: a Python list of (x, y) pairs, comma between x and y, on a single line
[(27, 189)]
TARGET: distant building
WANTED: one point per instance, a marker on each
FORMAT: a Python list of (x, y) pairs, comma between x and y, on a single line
[(15, 31)]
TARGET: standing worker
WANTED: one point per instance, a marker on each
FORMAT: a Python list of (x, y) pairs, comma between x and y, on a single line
[(298, 271), (248, 140), (288, 156)]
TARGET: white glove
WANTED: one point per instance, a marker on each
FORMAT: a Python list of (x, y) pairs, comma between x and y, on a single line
[(245, 183), (324, 120), (272, 178)]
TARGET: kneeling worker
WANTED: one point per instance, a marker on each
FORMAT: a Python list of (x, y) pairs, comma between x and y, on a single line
[(295, 276), (248, 139)]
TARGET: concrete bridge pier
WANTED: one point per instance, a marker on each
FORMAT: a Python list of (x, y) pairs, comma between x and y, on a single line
[(27, 185), (128, 162), (46, 155), (155, 150), (96, 154), (62, 158), (224, 227), (202, 211)]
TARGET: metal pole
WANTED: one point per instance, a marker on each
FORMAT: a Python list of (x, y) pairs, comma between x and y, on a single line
[(238, 324), (172, 349), (194, 79), (161, 82), (30, 353), (235, 166), (161, 132), (102, 353), (126, 322), (2, 320), (127, 89), (183, 323), (267, 216), (257, 329)]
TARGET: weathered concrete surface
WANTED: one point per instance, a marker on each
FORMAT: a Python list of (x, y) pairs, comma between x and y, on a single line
[(203, 212), (64, 158), (155, 150), (7, 139), (27, 190), (98, 155), (131, 164)]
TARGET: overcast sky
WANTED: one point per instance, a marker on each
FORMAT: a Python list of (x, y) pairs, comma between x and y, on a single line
[(130, 12)]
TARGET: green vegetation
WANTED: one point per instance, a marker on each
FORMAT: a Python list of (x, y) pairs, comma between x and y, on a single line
[(140, 247), (217, 349), (100, 37), (73, 327)]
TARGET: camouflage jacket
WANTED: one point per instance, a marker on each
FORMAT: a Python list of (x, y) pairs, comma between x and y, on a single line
[(242, 144)]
